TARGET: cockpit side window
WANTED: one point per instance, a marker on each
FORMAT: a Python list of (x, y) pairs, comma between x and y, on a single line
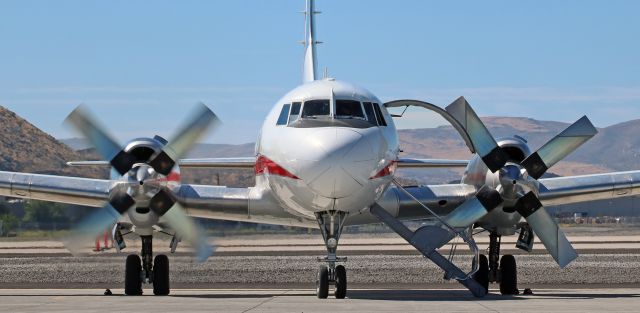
[(316, 108), (349, 109), (368, 109), (284, 115), (295, 112), (379, 115)]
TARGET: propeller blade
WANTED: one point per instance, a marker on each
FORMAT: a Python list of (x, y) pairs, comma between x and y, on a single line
[(164, 205), (546, 229), (105, 145), (97, 223), (469, 212), (559, 147), (199, 122), (483, 142), (187, 230)]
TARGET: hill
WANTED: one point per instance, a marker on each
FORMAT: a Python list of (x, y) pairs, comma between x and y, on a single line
[(594, 157), (25, 148)]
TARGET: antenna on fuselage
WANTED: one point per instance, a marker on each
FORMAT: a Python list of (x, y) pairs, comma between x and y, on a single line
[(310, 59)]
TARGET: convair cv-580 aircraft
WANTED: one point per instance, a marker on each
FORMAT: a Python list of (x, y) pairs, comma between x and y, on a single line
[(326, 156)]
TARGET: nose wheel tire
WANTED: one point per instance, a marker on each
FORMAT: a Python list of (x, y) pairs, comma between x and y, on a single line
[(341, 282), (509, 275), (322, 282), (161, 275), (482, 275), (132, 279)]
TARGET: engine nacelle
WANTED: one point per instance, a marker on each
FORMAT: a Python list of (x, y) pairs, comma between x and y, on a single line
[(142, 182)]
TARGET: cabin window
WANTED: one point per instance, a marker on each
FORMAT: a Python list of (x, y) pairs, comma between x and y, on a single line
[(316, 108), (295, 112), (379, 115), (349, 109), (284, 115), (368, 109)]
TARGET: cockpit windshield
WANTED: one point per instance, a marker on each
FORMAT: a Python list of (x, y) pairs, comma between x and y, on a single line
[(349, 109), (316, 108), (332, 113)]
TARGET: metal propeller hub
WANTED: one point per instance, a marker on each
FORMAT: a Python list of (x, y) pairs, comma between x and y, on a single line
[(143, 182), (514, 182)]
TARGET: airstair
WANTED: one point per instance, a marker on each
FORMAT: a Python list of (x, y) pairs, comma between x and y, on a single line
[(429, 238)]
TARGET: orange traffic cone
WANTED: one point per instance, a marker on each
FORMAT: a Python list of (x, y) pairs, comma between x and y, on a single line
[(97, 244), (106, 239)]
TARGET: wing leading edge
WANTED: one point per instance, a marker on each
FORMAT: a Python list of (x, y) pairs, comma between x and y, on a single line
[(249, 162), (214, 163)]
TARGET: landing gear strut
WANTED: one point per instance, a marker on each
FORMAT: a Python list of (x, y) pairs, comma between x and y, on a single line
[(495, 269), (146, 269), (331, 223)]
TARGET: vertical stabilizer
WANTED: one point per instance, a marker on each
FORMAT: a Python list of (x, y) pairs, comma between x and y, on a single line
[(309, 71)]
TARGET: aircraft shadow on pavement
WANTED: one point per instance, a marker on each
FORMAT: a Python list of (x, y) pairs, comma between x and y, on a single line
[(382, 295), (419, 295), (117, 295), (230, 296), (560, 295), (464, 295)]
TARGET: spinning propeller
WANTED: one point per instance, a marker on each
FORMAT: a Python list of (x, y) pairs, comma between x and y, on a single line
[(145, 182), (516, 178)]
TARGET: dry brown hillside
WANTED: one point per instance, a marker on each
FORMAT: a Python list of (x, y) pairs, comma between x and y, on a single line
[(25, 148), (593, 157)]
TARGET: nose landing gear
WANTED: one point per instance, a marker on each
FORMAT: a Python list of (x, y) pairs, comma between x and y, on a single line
[(331, 223)]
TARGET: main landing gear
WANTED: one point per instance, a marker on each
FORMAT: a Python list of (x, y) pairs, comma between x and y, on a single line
[(331, 223), (143, 270), (504, 273)]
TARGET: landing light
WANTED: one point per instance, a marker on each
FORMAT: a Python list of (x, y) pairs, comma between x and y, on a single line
[(386, 171), (265, 166)]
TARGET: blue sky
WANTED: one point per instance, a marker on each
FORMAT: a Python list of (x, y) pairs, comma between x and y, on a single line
[(140, 64)]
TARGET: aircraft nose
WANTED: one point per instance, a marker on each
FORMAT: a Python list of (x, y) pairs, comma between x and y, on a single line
[(339, 162)]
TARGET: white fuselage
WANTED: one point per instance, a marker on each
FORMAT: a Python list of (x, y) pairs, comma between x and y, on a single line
[(329, 154)]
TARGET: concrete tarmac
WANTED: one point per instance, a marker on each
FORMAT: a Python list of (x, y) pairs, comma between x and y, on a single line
[(293, 300)]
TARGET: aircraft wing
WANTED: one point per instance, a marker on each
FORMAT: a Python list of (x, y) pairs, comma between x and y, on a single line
[(252, 204), (214, 163), (258, 205), (443, 199), (430, 163), (72, 190), (576, 189)]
